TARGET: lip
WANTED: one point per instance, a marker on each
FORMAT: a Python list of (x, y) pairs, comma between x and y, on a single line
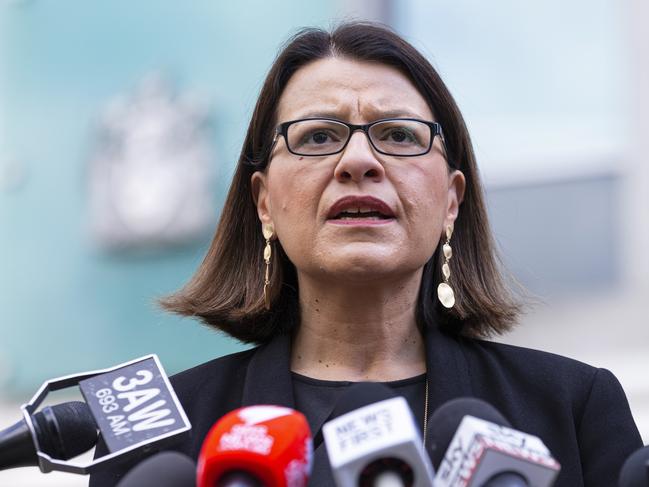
[(371, 202)]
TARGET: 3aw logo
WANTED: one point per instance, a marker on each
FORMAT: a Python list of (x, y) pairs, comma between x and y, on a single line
[(132, 404)]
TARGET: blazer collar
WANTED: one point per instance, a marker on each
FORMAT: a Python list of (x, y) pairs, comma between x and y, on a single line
[(268, 378), (447, 369)]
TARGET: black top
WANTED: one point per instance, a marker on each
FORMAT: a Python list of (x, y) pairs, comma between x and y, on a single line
[(580, 412), (316, 398)]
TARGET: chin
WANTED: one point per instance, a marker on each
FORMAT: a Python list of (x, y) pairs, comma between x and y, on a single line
[(369, 266)]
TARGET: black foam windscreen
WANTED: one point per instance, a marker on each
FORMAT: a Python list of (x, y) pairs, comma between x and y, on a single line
[(635, 471), (165, 469), (65, 430), (445, 421), (360, 395)]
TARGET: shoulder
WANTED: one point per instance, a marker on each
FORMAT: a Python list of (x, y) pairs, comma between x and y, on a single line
[(581, 412), (517, 353), (533, 366), (218, 382), (544, 377), (526, 378), (215, 371), (209, 391)]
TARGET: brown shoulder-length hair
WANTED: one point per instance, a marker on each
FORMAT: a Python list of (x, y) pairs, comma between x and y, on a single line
[(226, 291)]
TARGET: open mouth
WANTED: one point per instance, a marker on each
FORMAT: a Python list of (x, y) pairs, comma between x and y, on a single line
[(363, 213), (360, 209)]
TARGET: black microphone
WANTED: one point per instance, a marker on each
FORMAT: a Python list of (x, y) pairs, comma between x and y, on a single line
[(471, 443), (63, 431), (374, 440), (443, 423), (635, 471), (166, 469), (132, 404)]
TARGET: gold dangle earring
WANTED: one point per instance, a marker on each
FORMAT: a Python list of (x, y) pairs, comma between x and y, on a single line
[(268, 232), (445, 292)]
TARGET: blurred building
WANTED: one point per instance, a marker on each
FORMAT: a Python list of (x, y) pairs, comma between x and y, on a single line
[(555, 98)]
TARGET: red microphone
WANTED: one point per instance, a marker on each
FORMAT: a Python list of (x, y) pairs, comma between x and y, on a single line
[(266, 446)]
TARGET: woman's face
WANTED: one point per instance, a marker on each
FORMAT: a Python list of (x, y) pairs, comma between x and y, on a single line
[(314, 202)]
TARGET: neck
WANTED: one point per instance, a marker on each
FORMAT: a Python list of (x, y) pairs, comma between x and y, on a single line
[(358, 332)]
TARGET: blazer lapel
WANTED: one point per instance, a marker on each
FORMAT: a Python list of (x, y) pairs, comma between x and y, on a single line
[(268, 378), (447, 369), (268, 381)]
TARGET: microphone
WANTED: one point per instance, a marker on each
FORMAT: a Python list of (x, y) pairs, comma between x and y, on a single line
[(373, 440), (635, 471), (132, 404), (63, 431), (471, 443), (257, 446), (166, 469)]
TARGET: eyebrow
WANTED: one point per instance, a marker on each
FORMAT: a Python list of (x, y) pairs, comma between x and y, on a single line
[(381, 114)]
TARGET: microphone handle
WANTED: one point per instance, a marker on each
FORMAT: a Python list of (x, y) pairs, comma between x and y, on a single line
[(17, 447), (506, 479), (238, 478)]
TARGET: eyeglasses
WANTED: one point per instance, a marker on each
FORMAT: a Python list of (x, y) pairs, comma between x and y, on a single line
[(402, 137)]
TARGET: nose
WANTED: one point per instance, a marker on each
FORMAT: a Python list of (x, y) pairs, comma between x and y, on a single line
[(358, 161)]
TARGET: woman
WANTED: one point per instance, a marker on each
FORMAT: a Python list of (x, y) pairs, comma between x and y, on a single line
[(354, 246)]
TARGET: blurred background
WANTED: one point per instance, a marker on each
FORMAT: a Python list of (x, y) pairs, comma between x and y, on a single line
[(121, 122)]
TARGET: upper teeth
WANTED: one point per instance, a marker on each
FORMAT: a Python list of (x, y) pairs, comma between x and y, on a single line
[(359, 210)]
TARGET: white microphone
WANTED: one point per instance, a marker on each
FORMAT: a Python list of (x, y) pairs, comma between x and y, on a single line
[(487, 453), (374, 440)]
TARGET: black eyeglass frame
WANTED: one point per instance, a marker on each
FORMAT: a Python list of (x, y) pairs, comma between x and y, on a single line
[(435, 129)]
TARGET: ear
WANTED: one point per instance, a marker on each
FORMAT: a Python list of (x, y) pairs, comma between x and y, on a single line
[(261, 196), (456, 187)]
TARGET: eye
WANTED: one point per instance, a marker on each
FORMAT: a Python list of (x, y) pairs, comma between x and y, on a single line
[(316, 133), (399, 135), (313, 137), (318, 137)]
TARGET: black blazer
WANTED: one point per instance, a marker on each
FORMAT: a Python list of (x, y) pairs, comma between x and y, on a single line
[(580, 412)]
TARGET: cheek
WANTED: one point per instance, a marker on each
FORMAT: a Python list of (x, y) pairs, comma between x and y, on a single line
[(294, 198), (425, 197)]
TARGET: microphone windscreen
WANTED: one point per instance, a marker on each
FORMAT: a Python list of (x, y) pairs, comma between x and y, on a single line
[(360, 395), (445, 421), (271, 444), (166, 469), (635, 471), (65, 430)]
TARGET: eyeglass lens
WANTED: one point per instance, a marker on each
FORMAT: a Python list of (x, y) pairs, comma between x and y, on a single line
[(394, 137)]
